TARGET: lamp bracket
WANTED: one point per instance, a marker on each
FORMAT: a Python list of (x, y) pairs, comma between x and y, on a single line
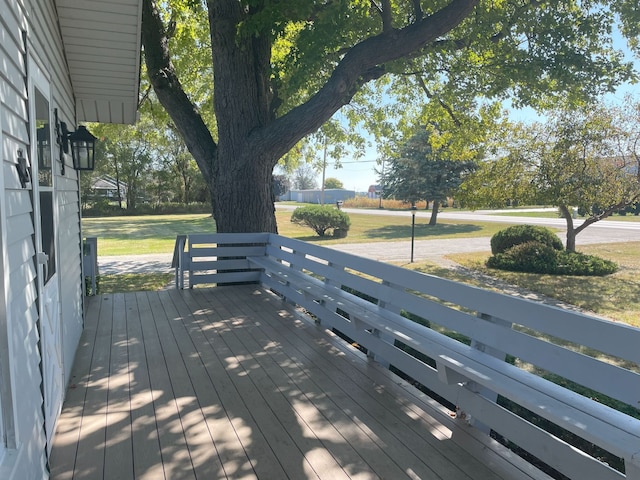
[(23, 169)]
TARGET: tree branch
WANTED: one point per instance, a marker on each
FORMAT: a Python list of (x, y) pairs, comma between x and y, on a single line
[(417, 10), (170, 93), (362, 63), (387, 20), (431, 96)]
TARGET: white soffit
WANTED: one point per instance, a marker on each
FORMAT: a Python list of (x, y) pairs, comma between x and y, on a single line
[(102, 46)]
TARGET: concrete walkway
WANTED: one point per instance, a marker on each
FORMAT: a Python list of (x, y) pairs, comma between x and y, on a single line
[(140, 263)]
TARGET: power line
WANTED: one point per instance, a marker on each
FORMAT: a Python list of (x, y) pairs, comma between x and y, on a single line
[(360, 161)]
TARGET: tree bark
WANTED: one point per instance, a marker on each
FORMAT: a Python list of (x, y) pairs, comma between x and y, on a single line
[(251, 139), (434, 212), (571, 233)]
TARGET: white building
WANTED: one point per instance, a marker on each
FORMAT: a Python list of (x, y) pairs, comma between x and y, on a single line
[(61, 61)]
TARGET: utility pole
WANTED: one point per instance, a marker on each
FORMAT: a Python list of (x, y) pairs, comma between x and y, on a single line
[(324, 169)]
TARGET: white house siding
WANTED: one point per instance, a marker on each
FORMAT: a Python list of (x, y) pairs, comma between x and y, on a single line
[(23, 452), (69, 270), (47, 40)]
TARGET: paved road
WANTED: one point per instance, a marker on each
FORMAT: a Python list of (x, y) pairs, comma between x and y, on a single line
[(400, 251)]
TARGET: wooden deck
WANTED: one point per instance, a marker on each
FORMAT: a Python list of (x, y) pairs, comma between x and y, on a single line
[(230, 383)]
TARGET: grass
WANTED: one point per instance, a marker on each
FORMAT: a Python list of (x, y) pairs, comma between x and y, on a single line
[(157, 233), (143, 234), (134, 282), (615, 296)]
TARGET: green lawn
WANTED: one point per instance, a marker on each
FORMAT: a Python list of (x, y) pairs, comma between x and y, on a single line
[(157, 233), (143, 234), (615, 296)]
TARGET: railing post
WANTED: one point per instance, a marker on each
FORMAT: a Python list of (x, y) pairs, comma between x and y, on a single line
[(178, 260), (383, 336), (494, 352)]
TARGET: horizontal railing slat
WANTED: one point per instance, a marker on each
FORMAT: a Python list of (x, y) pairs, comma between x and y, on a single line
[(227, 277)]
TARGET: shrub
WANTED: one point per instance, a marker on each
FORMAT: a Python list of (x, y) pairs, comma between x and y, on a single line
[(575, 263), (322, 218), (536, 257), (518, 234), (532, 257)]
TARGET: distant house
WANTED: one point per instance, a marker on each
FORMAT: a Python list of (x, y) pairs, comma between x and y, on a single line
[(108, 187), (331, 195), (374, 191), (63, 62)]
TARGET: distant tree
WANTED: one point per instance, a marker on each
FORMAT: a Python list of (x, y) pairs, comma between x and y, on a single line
[(281, 185), (179, 163), (162, 188), (586, 159), (304, 177), (422, 171), (333, 183)]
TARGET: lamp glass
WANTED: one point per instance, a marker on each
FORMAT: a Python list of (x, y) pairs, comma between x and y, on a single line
[(83, 149)]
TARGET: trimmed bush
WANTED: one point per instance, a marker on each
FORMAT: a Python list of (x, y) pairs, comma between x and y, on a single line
[(535, 257), (532, 257), (322, 219), (519, 234), (575, 263)]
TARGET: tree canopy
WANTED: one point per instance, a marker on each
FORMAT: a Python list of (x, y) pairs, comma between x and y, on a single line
[(420, 171), (332, 182), (279, 70), (587, 159)]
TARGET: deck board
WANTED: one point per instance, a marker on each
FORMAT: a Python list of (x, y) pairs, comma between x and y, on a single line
[(144, 432), (231, 383)]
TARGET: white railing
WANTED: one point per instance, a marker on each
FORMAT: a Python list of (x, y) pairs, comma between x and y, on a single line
[(482, 351)]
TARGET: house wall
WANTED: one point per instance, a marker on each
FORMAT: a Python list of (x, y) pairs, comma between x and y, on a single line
[(23, 450)]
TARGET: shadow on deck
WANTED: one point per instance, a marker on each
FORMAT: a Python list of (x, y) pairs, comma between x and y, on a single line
[(231, 383)]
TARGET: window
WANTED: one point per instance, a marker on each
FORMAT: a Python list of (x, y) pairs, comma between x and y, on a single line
[(45, 182)]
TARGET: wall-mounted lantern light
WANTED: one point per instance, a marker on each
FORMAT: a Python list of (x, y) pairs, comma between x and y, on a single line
[(83, 149), (82, 142)]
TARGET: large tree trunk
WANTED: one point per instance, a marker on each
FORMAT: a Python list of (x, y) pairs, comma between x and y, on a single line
[(244, 201), (242, 198)]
